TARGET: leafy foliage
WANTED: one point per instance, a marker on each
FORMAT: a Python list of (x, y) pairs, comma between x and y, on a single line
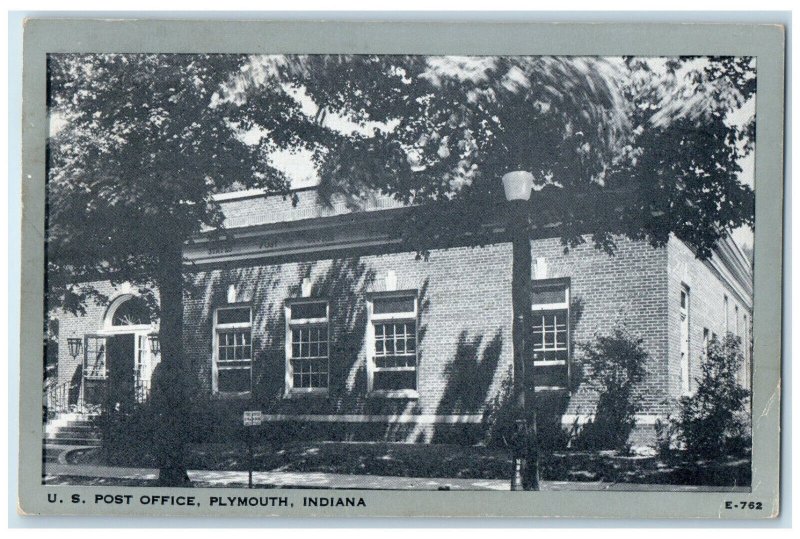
[(135, 155), (615, 365), (617, 146), (713, 422)]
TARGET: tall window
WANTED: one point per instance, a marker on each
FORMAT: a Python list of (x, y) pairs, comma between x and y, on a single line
[(307, 347), (95, 358), (393, 344), (550, 333), (232, 350), (725, 307), (685, 362)]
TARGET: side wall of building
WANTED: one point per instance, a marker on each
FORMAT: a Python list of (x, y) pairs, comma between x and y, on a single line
[(708, 291)]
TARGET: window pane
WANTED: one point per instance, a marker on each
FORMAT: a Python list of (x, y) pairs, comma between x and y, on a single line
[(233, 380), (393, 305), (95, 357), (308, 310), (553, 376), (237, 315), (549, 335), (544, 294), (389, 380), (132, 312), (310, 373)]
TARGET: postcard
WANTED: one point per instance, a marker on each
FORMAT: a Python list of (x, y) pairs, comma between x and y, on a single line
[(401, 269)]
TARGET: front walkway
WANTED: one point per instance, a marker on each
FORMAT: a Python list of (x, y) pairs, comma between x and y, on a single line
[(278, 479)]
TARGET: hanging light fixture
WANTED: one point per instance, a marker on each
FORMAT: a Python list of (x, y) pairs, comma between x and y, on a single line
[(155, 344), (75, 346)]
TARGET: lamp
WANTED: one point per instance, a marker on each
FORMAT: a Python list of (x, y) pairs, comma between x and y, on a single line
[(518, 185), (75, 346), (155, 344)]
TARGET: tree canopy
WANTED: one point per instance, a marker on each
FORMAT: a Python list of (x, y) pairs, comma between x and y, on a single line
[(638, 147), (135, 155)]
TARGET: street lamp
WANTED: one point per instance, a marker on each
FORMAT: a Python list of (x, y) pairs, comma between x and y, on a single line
[(75, 346), (518, 186)]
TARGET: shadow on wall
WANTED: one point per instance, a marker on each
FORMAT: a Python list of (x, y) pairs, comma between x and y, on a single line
[(469, 376)]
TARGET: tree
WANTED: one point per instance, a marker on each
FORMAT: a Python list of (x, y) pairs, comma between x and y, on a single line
[(132, 170), (710, 422), (623, 146), (616, 365), (149, 138)]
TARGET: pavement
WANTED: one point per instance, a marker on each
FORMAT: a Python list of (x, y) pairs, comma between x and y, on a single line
[(284, 479)]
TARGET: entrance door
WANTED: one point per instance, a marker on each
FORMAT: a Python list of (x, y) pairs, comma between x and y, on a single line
[(120, 371)]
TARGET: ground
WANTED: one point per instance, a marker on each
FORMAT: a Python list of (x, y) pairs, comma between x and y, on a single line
[(395, 460)]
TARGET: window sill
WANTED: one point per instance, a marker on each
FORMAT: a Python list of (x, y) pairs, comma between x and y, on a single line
[(306, 393), (225, 395), (394, 393)]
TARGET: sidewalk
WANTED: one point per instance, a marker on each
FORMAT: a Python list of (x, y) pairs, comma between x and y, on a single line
[(278, 479)]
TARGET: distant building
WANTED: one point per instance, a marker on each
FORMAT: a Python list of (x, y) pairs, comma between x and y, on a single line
[(316, 316)]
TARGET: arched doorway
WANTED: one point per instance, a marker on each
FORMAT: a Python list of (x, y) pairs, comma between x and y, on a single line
[(120, 358)]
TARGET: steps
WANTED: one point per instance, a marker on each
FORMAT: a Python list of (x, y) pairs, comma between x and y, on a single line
[(72, 429)]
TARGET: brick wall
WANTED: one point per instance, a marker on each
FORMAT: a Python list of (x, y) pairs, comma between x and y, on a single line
[(464, 327), (464, 323), (706, 310), (626, 290)]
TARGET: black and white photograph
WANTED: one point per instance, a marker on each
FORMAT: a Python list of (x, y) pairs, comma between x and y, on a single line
[(399, 272), (403, 273)]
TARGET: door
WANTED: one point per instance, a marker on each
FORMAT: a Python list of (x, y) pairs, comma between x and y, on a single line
[(120, 371)]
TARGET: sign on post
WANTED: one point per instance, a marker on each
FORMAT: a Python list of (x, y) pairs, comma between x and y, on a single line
[(252, 418)]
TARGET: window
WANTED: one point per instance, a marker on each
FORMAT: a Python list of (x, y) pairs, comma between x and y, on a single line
[(736, 319), (684, 342), (95, 358), (307, 347), (706, 339), (550, 333), (133, 312), (725, 307), (393, 345), (232, 350)]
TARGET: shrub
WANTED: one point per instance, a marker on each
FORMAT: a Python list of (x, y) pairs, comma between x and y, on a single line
[(615, 364), (665, 437), (714, 421)]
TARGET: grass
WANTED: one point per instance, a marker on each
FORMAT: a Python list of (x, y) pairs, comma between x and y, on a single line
[(447, 461), (360, 458)]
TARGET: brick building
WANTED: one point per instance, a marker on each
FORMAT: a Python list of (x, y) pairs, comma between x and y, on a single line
[(318, 317)]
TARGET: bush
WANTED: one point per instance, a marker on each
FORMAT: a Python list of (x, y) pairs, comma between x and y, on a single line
[(714, 421), (665, 437), (614, 365)]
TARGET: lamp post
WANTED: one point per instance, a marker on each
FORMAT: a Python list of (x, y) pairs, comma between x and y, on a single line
[(518, 186)]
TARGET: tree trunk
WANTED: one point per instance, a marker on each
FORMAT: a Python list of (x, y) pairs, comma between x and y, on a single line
[(169, 392), (526, 448)]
